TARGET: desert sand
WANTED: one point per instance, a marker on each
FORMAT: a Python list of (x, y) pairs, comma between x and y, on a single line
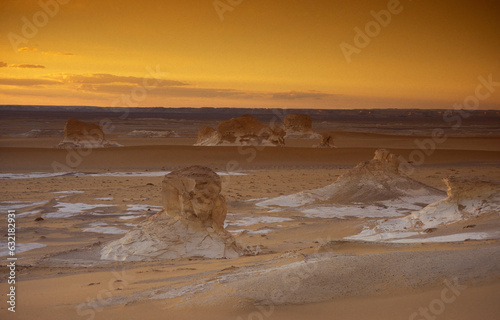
[(300, 261)]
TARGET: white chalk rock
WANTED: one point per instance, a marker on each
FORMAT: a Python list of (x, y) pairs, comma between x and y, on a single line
[(192, 224)]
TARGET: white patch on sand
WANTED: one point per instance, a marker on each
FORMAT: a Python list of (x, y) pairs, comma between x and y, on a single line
[(260, 231), (389, 208), (105, 199), (453, 237), (130, 224), (27, 214), (128, 217), (108, 230), (70, 191), (372, 236), (20, 247), (342, 212), (66, 194), (98, 224), (249, 221), (141, 207), (66, 209), (18, 205), (31, 175)]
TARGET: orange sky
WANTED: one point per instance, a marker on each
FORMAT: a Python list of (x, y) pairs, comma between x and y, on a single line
[(262, 54)]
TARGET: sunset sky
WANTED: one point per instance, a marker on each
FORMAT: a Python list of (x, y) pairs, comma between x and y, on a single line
[(248, 53)]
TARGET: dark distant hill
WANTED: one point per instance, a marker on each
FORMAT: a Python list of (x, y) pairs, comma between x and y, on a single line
[(368, 115)]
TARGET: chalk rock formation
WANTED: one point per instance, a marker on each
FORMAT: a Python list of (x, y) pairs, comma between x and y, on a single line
[(326, 142), (208, 136), (298, 125), (80, 134), (244, 130), (369, 182), (191, 225), (467, 198)]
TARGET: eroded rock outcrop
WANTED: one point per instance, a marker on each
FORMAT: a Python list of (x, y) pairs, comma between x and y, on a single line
[(244, 130), (191, 225), (370, 182), (298, 125), (467, 198), (80, 134), (326, 142)]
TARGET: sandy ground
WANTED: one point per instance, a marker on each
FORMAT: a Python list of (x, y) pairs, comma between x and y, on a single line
[(314, 273)]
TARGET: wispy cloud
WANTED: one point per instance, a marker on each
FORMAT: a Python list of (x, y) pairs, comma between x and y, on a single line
[(103, 84), (22, 66), (26, 82), (104, 78), (294, 95), (169, 91), (29, 49), (27, 66)]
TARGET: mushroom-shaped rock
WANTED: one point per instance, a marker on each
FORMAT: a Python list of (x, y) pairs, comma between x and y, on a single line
[(193, 193), (297, 125), (244, 130), (192, 224), (80, 134)]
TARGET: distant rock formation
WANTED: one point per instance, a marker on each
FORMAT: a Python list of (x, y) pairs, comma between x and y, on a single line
[(370, 182), (244, 130), (326, 142), (207, 136), (192, 224), (150, 134), (80, 134), (298, 125)]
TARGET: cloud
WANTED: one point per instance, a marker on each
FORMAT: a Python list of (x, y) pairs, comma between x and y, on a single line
[(167, 91), (104, 78), (294, 95), (104, 84), (27, 66), (58, 53), (114, 84), (45, 52), (27, 49), (22, 66), (26, 82)]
